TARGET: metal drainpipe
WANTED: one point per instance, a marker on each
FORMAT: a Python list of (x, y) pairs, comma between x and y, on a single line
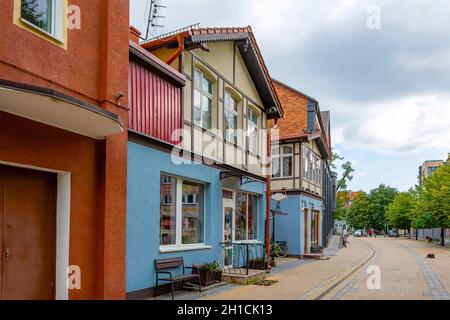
[(269, 176), (268, 191)]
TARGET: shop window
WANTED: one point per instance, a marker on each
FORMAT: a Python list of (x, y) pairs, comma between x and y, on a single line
[(181, 206)]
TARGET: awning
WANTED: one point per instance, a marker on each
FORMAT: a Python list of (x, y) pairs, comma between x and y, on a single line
[(59, 110)]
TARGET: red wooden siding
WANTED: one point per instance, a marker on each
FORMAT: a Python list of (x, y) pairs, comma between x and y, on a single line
[(155, 103)]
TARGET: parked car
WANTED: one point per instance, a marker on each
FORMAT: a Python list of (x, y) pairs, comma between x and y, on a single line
[(358, 233), (393, 234), (364, 232)]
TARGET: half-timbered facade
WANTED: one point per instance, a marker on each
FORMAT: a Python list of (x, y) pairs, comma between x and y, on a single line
[(199, 103), (301, 155)]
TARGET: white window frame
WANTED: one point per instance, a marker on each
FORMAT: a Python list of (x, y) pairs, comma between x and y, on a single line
[(255, 126), (179, 246), (203, 93), (234, 113), (311, 166), (57, 21), (281, 155)]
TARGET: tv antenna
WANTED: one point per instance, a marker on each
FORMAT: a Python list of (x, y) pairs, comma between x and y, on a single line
[(154, 15)]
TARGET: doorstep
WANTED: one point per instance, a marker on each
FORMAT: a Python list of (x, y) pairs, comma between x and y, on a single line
[(315, 256), (194, 287), (253, 276)]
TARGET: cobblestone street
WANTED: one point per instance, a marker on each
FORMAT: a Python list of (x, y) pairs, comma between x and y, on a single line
[(405, 272)]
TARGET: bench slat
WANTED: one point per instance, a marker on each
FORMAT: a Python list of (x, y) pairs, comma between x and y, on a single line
[(171, 263)]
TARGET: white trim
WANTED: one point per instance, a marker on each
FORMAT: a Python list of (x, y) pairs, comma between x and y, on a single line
[(169, 249), (179, 213), (63, 207), (62, 235)]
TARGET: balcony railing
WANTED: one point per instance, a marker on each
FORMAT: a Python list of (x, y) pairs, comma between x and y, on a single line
[(239, 257)]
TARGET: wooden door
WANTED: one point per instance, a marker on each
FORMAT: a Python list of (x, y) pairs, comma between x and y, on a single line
[(28, 211), (306, 230)]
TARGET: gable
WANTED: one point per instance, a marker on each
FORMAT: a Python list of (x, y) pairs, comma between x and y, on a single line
[(227, 60)]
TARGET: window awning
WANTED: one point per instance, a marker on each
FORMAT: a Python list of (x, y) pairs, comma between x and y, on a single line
[(59, 110)]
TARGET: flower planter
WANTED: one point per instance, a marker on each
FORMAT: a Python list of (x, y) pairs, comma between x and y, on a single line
[(317, 249), (207, 277), (218, 276)]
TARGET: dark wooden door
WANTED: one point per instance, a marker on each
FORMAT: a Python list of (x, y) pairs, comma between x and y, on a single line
[(28, 211), (306, 231)]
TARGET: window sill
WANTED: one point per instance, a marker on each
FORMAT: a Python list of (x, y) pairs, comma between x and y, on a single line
[(183, 248), (249, 242)]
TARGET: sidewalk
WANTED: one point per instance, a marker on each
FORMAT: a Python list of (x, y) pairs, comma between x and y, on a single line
[(298, 282)]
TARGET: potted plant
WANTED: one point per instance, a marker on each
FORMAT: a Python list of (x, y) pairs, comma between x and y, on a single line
[(209, 272), (215, 268)]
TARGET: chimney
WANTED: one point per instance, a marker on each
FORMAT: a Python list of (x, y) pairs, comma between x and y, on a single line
[(134, 34)]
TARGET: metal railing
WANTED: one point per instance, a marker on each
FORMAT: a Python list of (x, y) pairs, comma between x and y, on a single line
[(239, 257), (434, 234), (174, 32)]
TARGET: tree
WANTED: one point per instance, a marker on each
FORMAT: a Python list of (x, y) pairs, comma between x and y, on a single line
[(342, 200), (359, 211), (347, 171), (399, 212), (379, 200), (432, 209)]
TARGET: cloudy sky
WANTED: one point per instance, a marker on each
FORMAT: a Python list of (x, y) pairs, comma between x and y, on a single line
[(388, 88)]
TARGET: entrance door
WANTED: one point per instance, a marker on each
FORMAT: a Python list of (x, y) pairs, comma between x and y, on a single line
[(27, 234), (228, 228), (306, 213)]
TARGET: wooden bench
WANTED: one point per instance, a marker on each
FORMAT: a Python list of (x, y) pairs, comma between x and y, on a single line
[(162, 265)]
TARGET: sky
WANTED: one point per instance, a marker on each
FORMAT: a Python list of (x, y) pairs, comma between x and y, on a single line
[(382, 68)]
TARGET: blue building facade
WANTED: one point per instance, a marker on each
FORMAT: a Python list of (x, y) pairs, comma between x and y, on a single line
[(291, 227), (146, 165)]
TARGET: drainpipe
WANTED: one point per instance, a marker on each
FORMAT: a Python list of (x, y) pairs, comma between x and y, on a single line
[(268, 191), (180, 39)]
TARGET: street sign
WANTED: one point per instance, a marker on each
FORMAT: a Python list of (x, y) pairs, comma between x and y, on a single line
[(279, 196)]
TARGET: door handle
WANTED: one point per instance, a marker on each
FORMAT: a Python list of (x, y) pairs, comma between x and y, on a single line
[(7, 255)]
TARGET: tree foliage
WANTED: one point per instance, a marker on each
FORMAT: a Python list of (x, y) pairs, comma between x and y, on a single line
[(359, 211), (379, 200), (347, 171), (399, 212), (432, 208)]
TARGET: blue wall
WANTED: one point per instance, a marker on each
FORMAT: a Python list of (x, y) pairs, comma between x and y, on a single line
[(145, 166), (291, 228)]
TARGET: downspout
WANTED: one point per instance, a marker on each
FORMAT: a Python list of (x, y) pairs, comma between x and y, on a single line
[(180, 49), (268, 191)]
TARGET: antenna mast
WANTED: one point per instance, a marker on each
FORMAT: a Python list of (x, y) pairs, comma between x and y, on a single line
[(154, 15)]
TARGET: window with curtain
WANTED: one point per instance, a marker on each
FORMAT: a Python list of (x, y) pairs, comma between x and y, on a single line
[(203, 99), (282, 160), (253, 132), (231, 117)]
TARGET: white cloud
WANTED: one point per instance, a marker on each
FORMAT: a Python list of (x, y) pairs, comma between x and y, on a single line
[(414, 124)]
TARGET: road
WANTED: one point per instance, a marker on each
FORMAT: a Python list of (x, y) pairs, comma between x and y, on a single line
[(398, 269)]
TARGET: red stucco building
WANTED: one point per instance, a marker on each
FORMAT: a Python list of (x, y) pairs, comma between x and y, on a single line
[(63, 145)]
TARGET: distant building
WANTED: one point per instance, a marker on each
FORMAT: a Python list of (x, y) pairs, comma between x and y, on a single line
[(430, 166)]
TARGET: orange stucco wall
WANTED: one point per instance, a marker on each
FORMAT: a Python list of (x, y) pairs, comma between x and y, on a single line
[(93, 68)]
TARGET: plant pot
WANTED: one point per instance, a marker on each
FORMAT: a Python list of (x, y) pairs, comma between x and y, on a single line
[(317, 249), (218, 276)]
